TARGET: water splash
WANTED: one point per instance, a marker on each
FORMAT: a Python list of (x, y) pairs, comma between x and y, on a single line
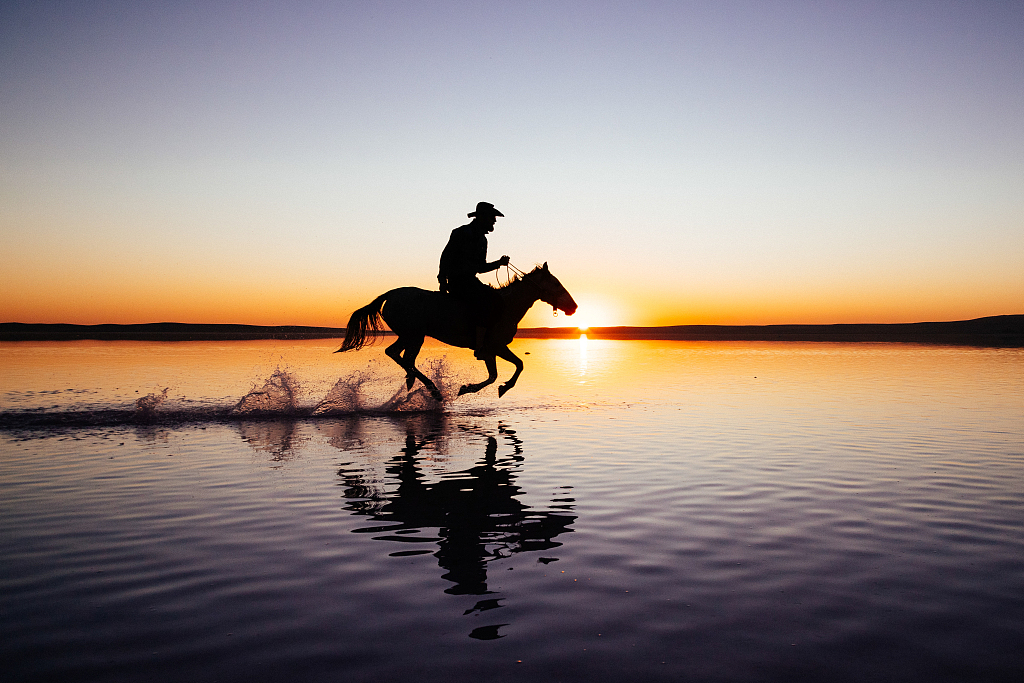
[(372, 391), (356, 393), (348, 395), (277, 396), (406, 400), (147, 405)]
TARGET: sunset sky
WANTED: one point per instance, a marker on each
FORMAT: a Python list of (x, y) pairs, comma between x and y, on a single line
[(673, 162)]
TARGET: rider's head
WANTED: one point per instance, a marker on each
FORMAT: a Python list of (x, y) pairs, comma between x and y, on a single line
[(486, 215)]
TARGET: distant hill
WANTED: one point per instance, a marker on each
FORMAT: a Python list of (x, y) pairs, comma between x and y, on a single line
[(1000, 330), (162, 332)]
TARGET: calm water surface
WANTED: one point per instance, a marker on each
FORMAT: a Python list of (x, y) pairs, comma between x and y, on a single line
[(631, 511)]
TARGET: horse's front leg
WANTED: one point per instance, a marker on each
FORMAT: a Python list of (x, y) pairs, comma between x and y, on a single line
[(492, 375), (512, 358)]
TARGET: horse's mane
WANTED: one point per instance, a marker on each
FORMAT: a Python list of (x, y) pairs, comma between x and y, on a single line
[(517, 278)]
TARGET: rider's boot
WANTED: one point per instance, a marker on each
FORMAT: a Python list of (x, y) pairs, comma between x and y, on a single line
[(478, 347)]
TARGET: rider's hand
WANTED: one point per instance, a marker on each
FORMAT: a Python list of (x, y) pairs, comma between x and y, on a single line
[(503, 261)]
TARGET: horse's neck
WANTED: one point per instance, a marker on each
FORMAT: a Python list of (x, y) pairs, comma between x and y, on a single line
[(519, 297)]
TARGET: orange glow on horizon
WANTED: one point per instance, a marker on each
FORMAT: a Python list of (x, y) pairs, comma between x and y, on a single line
[(335, 313), (321, 302)]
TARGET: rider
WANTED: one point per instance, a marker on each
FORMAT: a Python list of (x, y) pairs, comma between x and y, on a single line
[(464, 257)]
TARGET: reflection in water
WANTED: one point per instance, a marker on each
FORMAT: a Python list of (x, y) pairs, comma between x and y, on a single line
[(839, 512), (276, 437), (583, 358), (474, 514)]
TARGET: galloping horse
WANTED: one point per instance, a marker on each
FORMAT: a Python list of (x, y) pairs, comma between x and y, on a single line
[(414, 313)]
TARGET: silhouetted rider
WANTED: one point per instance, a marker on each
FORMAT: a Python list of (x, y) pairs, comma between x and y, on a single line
[(466, 255)]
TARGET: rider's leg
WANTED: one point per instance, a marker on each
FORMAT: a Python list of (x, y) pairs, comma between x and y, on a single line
[(489, 305), (478, 345)]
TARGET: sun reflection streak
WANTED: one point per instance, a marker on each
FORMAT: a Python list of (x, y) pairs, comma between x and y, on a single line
[(583, 357)]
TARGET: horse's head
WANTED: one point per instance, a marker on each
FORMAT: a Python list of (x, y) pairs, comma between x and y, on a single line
[(551, 290)]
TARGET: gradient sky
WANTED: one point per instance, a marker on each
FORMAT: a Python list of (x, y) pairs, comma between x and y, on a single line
[(673, 162)]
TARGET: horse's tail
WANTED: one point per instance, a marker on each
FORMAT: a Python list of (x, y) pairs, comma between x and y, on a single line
[(364, 320)]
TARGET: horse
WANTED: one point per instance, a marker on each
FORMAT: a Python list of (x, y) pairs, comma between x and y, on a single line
[(413, 314)]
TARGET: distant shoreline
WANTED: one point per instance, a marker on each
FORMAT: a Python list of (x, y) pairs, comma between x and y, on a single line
[(998, 331)]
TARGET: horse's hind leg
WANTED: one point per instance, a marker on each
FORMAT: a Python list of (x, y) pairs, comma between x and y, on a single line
[(394, 352), (411, 347)]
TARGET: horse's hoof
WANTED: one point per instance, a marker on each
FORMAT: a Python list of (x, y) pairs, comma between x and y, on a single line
[(409, 381), (464, 389), (437, 396), (502, 389)]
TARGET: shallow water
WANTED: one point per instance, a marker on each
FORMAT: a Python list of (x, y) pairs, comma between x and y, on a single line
[(629, 511)]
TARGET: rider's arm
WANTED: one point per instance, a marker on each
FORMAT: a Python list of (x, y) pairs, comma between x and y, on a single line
[(494, 265)]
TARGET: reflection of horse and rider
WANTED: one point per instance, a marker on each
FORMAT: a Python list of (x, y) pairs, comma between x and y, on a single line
[(465, 313), (469, 517), (477, 513)]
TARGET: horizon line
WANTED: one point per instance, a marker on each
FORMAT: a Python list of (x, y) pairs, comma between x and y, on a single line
[(992, 331), (544, 327)]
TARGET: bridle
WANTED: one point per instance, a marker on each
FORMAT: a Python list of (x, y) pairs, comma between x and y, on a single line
[(512, 271)]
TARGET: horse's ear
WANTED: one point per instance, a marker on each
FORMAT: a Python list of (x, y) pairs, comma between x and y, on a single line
[(545, 266)]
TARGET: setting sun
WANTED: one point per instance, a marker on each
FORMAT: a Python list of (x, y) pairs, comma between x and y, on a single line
[(594, 313)]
